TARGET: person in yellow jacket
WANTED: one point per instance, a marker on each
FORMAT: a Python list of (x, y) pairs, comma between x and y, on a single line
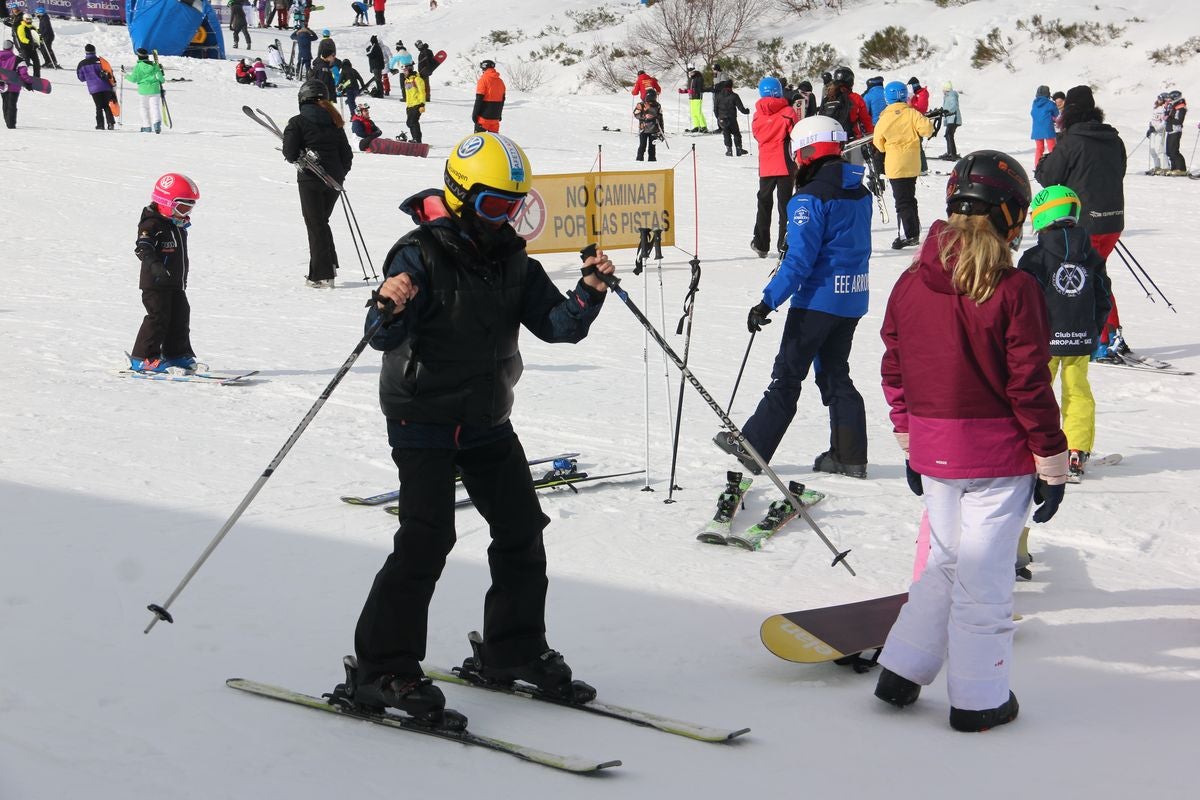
[(489, 99), (414, 101), (898, 135), (27, 43)]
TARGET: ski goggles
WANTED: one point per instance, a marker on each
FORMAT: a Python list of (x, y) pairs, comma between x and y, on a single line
[(497, 206), (183, 209)]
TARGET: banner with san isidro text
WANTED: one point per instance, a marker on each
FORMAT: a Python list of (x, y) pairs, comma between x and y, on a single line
[(567, 212)]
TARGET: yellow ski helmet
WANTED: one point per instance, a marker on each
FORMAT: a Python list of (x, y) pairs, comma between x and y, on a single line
[(485, 161)]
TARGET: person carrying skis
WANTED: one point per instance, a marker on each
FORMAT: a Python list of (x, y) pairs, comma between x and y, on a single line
[(1156, 132), (649, 116), (237, 22), (27, 42), (898, 136), (458, 289), (773, 121), (644, 82), (319, 128), (303, 37), (1076, 286), (362, 126), (164, 339), (1176, 110), (727, 105), (489, 99), (979, 426), (10, 91), (149, 78), (1043, 112), (951, 120), (426, 64), (46, 32), (695, 91), (824, 271), (99, 82), (1091, 160), (414, 101)]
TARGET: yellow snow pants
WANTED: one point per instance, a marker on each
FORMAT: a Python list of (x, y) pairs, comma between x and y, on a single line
[(698, 120), (1078, 405)]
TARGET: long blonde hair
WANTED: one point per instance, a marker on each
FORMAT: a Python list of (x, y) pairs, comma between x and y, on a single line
[(978, 255)]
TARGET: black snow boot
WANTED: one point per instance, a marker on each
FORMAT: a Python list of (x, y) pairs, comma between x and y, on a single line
[(415, 695), (979, 721), (549, 674), (725, 441), (895, 689), (827, 463)]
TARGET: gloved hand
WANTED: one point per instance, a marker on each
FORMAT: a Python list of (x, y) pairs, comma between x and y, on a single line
[(1047, 498), (159, 272), (914, 479), (757, 318), (478, 128), (1148, 132), (683, 91)]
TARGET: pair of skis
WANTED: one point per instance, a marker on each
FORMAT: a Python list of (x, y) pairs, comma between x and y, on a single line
[(780, 513), (388, 497), (207, 378), (1133, 360), (460, 677)]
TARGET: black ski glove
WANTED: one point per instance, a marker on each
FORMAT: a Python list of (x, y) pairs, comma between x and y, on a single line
[(1148, 132), (914, 479), (1047, 499), (159, 271), (758, 317)]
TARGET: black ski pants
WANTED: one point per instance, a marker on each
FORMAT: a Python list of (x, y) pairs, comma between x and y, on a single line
[(732, 133), (951, 147), (904, 192), (821, 341), (646, 145), (379, 18), (104, 115), (317, 202), (778, 188), (9, 100), (166, 329), (413, 121), (30, 53), (392, 629), (1173, 154)]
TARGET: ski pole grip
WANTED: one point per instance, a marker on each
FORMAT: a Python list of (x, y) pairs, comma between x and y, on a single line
[(389, 306), (611, 281)]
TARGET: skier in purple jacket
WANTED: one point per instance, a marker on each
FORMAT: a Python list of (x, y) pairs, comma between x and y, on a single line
[(12, 62), (99, 85)]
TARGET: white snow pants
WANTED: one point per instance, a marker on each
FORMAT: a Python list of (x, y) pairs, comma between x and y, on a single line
[(1158, 150), (151, 108), (960, 610)]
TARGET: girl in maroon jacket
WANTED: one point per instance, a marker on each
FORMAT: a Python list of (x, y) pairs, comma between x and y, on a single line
[(964, 371)]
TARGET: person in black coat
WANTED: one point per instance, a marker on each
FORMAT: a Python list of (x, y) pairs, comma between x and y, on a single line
[(426, 64), (318, 128), (727, 105), (376, 65), (237, 22), (322, 72)]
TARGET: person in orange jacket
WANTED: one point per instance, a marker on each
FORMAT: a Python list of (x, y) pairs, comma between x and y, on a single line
[(489, 99), (645, 81)]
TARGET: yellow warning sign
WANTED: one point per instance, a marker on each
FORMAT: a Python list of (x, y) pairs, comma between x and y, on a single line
[(567, 212)]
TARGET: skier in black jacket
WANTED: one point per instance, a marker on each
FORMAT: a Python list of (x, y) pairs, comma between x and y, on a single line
[(322, 72), (376, 65), (727, 105), (426, 64), (461, 287), (1176, 110), (319, 128)]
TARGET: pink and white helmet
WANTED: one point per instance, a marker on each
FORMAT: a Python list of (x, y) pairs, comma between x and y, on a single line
[(174, 195)]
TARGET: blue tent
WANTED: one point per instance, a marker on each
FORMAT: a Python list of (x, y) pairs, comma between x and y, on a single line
[(176, 27)]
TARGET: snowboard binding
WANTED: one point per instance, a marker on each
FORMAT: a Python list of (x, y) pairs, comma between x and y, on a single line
[(547, 677)]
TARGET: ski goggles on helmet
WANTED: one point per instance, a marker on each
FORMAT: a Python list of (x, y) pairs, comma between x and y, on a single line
[(497, 206), (182, 210)]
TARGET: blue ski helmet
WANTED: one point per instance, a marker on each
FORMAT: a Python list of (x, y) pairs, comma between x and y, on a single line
[(895, 92), (770, 87)]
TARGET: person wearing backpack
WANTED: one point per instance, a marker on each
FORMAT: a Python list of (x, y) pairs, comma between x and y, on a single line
[(773, 121), (728, 104), (898, 136), (99, 83), (847, 107), (649, 116)]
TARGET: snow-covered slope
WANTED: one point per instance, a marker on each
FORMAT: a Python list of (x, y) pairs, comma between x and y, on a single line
[(110, 488)]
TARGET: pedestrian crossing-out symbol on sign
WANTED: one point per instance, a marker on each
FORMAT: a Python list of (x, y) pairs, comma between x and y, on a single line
[(531, 219)]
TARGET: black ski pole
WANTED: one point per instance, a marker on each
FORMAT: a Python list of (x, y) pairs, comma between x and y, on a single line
[(689, 302), (161, 611), (353, 216), (741, 369), (354, 238), (614, 283), (1122, 246), (1129, 267)]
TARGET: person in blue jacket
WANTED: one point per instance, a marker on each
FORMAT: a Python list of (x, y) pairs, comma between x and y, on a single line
[(303, 37), (1043, 113), (874, 98), (824, 272)]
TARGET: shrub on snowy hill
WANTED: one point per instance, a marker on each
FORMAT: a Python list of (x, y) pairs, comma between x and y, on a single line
[(993, 49), (1054, 35), (1176, 54), (795, 63), (893, 47), (678, 32)]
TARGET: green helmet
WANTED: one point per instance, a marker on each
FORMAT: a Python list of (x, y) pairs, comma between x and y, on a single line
[(1054, 204)]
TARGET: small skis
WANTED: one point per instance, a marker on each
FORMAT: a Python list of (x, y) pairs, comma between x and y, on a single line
[(1145, 363), (779, 514), (210, 378), (567, 763), (551, 480), (387, 497), (1101, 461), (728, 504)]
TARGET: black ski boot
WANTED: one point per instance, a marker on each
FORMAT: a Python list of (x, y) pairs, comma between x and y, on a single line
[(415, 695), (979, 721), (895, 689), (548, 674), (827, 463), (725, 441)]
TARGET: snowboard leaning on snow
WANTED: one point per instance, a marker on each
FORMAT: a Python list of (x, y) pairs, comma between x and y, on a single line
[(831, 633)]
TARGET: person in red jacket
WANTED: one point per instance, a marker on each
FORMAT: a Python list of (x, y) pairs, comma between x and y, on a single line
[(918, 95), (644, 82), (976, 416), (379, 6), (774, 118), (489, 99)]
